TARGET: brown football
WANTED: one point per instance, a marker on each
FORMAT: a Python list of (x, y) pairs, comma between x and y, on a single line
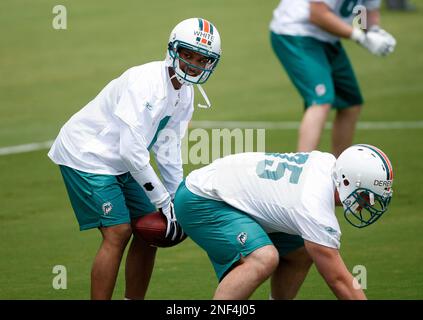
[(152, 229)]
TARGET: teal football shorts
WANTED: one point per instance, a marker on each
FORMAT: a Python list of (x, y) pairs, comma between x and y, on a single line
[(104, 200), (321, 71), (224, 232)]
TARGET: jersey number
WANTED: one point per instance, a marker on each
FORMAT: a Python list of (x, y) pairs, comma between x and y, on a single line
[(274, 169), (347, 7)]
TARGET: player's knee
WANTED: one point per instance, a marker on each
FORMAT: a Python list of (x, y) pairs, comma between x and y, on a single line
[(267, 260), (117, 236)]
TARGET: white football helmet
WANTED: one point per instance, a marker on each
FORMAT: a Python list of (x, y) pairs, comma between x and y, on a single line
[(363, 176), (198, 35)]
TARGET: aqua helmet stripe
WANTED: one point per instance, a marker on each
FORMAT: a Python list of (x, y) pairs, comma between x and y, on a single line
[(384, 158)]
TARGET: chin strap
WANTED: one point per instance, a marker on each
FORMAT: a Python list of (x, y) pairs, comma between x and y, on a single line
[(170, 79), (203, 93)]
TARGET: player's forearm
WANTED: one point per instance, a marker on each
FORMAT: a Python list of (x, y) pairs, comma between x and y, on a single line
[(333, 269), (323, 17), (343, 288), (169, 162), (172, 177), (135, 156), (153, 187)]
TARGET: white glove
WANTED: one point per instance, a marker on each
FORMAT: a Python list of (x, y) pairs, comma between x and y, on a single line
[(173, 229), (389, 37), (376, 28), (377, 42)]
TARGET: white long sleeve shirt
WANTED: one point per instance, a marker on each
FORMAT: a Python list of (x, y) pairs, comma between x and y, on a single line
[(292, 17), (113, 133)]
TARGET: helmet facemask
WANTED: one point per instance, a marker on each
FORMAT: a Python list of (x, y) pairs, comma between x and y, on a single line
[(363, 207), (182, 75)]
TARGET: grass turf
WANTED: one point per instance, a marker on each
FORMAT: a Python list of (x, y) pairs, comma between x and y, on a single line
[(48, 74)]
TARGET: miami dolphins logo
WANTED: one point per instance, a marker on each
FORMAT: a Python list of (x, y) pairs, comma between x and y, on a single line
[(107, 207), (242, 238)]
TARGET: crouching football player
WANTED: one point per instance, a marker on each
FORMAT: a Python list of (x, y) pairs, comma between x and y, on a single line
[(261, 215)]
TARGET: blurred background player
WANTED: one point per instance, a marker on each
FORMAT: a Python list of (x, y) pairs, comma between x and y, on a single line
[(103, 152), (268, 214), (305, 35)]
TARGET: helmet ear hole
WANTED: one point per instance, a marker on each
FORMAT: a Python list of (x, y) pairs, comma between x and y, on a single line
[(346, 182)]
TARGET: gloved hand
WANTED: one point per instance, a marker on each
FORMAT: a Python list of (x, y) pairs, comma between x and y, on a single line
[(378, 29), (389, 37), (377, 41), (173, 230)]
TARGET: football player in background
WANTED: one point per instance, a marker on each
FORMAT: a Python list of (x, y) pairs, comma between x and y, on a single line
[(268, 214), (305, 35), (103, 152)]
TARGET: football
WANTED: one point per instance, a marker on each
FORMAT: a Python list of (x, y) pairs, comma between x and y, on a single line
[(152, 229)]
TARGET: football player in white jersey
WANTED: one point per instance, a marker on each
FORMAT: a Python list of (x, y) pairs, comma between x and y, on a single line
[(268, 214), (305, 35), (103, 152)]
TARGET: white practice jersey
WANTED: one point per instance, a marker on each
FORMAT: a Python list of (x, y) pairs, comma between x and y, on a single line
[(291, 193), (291, 17), (142, 98)]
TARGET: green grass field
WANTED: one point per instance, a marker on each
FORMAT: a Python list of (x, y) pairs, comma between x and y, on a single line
[(47, 75)]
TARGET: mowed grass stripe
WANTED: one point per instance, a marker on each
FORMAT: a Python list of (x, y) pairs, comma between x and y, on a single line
[(268, 125)]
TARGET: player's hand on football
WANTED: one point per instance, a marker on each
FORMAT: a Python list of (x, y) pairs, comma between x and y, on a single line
[(176, 231), (376, 40), (173, 230)]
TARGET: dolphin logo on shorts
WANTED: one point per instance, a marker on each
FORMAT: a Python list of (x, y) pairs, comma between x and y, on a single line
[(242, 238), (107, 207)]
